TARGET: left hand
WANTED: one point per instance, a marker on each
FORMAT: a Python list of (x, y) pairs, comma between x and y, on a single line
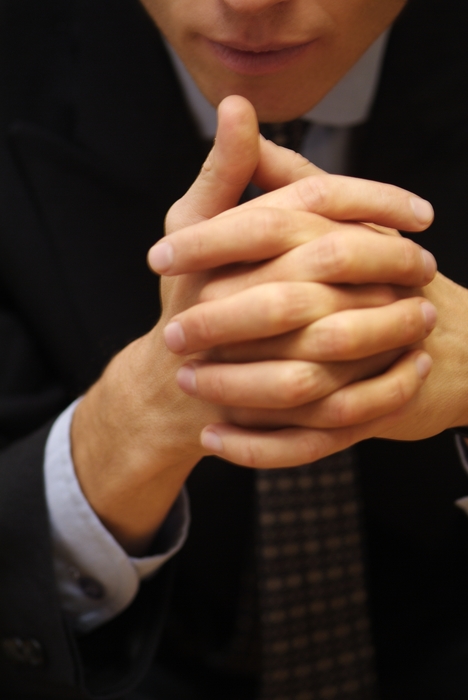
[(439, 404), (442, 402), (335, 422)]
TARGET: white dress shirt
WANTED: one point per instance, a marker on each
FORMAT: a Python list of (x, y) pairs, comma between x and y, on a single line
[(96, 579)]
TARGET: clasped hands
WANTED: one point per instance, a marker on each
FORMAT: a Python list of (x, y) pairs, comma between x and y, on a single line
[(288, 332), (301, 325)]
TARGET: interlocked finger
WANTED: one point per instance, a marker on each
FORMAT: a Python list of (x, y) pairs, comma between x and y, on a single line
[(273, 449), (357, 333), (350, 254), (274, 309), (350, 199), (291, 446), (301, 246), (275, 384), (296, 345), (356, 403), (259, 312), (238, 236)]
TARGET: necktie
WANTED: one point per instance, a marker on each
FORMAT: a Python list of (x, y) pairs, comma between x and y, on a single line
[(287, 134), (314, 625)]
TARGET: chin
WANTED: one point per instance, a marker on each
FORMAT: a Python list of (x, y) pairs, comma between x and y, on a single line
[(270, 107)]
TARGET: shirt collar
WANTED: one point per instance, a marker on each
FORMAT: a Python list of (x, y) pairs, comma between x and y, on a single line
[(347, 104)]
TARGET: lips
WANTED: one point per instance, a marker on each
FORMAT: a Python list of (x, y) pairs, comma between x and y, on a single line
[(263, 61)]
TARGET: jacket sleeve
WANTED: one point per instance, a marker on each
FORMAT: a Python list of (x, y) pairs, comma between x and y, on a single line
[(39, 654)]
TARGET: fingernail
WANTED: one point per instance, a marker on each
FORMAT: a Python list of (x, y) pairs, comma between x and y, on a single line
[(422, 210), (423, 365), (430, 315), (174, 337), (430, 263), (161, 257), (211, 441), (187, 380)]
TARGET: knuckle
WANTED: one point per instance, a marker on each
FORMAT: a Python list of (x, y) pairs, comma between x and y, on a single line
[(198, 242), (251, 453), (271, 228), (410, 323), (314, 192), (389, 201), (270, 219), (342, 411), (216, 386), (410, 258), (332, 254), (310, 446), (202, 327), (183, 212), (278, 304), (398, 391), (384, 194), (334, 339), (296, 385)]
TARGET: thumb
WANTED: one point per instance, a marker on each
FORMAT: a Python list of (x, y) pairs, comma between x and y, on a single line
[(228, 169)]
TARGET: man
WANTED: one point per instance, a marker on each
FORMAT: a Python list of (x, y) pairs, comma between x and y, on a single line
[(69, 175)]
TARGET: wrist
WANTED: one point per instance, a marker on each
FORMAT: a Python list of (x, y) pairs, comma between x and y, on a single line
[(134, 442)]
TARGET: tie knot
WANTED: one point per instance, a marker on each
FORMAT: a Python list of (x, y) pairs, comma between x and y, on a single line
[(286, 134)]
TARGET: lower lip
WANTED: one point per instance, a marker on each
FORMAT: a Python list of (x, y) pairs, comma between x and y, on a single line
[(253, 63)]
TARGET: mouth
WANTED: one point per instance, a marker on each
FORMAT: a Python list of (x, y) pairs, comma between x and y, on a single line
[(258, 61)]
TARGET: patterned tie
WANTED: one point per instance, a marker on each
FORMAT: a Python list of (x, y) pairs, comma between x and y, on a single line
[(315, 635), (314, 624)]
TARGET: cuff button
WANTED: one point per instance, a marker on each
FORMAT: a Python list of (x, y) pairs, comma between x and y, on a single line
[(25, 651)]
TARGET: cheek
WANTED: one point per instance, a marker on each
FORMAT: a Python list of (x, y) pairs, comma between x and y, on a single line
[(364, 18)]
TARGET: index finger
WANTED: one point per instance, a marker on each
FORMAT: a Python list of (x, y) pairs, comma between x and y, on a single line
[(344, 198), (338, 197)]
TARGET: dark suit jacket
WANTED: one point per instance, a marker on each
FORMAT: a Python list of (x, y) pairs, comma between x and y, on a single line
[(95, 144)]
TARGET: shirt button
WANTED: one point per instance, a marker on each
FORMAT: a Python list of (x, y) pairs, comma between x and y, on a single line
[(25, 651), (91, 588)]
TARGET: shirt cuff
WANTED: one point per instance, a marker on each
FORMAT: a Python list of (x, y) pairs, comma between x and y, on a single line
[(96, 579)]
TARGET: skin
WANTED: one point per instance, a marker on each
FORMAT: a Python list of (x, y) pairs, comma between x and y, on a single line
[(136, 423), (142, 421), (340, 30)]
